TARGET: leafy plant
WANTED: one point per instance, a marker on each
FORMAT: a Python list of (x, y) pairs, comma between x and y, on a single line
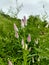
[(27, 43)]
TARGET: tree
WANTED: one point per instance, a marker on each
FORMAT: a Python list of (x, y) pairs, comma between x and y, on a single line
[(15, 11)]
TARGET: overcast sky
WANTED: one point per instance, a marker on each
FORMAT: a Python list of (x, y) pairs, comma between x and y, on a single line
[(30, 7)]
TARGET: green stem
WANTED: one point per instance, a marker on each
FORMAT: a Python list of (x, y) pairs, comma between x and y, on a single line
[(25, 57)]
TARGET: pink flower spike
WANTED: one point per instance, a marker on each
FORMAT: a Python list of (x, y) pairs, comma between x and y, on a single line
[(22, 42), (15, 27), (22, 23), (25, 21), (29, 38), (9, 62), (16, 35)]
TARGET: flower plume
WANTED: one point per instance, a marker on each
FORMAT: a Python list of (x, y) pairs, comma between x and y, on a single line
[(29, 38), (16, 35), (25, 21), (22, 42), (9, 62), (22, 23), (15, 27)]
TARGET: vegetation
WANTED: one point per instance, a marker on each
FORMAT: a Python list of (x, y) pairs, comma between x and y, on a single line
[(36, 51)]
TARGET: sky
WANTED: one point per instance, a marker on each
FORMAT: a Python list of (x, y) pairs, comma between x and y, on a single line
[(30, 7)]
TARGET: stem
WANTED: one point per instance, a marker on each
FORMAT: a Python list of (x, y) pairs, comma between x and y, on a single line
[(25, 52), (25, 56)]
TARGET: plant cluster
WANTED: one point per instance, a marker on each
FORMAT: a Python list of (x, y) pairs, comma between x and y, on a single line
[(24, 42)]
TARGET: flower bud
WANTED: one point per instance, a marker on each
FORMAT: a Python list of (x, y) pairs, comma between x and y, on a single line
[(29, 38), (36, 41), (9, 62), (22, 23), (39, 58), (30, 49), (33, 59), (25, 21), (22, 42), (15, 27), (16, 35)]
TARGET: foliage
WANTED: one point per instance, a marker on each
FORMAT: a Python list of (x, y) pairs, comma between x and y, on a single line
[(11, 48)]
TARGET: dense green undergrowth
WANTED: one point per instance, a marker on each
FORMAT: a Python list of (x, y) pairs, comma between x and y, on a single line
[(11, 48)]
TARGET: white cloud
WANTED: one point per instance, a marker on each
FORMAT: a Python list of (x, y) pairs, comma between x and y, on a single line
[(29, 6)]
